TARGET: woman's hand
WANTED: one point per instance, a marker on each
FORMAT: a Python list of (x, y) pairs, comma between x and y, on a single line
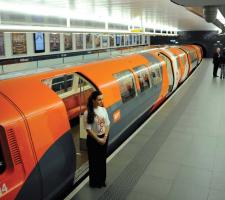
[(101, 141)]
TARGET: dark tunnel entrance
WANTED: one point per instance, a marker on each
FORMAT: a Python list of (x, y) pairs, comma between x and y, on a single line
[(203, 49)]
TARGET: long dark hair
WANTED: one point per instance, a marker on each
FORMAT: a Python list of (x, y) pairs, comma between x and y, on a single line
[(90, 106)]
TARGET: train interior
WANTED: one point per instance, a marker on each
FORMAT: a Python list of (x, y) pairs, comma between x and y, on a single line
[(74, 90)]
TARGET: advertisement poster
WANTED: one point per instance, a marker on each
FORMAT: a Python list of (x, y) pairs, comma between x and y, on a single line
[(117, 40), (122, 40), (135, 39), (68, 41), (79, 41), (97, 39), (130, 39), (127, 39), (19, 43), (2, 49), (54, 39), (39, 42), (104, 41), (138, 39), (111, 40), (89, 41), (146, 39)]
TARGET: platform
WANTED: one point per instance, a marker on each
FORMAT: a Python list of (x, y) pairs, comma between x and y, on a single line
[(177, 154)]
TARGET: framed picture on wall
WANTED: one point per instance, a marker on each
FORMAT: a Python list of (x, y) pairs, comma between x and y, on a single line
[(19, 43), (97, 39), (135, 39), (68, 45), (79, 41), (39, 42), (146, 39), (138, 39), (2, 48), (54, 40), (130, 39), (127, 39), (117, 40), (111, 40), (122, 40), (104, 41), (89, 41)]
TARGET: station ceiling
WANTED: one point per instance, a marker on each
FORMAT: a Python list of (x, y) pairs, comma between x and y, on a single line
[(148, 13)]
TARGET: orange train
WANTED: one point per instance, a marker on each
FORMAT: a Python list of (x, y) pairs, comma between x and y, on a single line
[(40, 121)]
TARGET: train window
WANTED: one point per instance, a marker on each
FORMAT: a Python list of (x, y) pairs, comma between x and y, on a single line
[(126, 85), (68, 85), (158, 70), (156, 75), (143, 77), (2, 161), (62, 84)]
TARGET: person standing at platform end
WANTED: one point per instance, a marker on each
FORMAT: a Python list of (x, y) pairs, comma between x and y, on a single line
[(97, 123), (216, 62)]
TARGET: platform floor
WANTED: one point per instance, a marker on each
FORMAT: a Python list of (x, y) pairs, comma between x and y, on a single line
[(178, 154)]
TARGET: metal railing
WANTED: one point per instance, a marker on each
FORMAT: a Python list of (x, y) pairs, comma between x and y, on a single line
[(34, 65)]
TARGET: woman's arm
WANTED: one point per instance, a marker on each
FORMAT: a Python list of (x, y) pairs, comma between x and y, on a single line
[(94, 135), (106, 132)]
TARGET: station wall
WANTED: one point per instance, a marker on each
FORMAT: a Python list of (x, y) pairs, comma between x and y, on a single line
[(209, 40), (17, 50)]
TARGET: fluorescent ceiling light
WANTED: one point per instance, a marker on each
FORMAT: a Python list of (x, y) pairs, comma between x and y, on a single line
[(39, 10), (56, 29), (220, 17)]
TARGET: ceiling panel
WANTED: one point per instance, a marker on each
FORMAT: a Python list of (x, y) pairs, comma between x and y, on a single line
[(199, 3), (149, 13)]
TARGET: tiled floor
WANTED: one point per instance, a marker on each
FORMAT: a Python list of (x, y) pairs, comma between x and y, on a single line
[(179, 154)]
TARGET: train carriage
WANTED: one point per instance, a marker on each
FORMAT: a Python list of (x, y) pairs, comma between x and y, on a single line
[(41, 131)]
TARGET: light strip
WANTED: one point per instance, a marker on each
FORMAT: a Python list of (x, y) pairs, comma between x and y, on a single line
[(19, 28), (56, 29), (66, 13)]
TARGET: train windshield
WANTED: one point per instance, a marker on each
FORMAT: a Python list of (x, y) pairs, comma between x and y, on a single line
[(2, 161)]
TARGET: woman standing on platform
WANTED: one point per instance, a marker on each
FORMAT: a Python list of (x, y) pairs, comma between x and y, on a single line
[(97, 123), (216, 62)]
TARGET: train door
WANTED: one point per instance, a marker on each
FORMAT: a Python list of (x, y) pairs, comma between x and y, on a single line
[(169, 71), (188, 59), (175, 65), (128, 92), (134, 102), (74, 90)]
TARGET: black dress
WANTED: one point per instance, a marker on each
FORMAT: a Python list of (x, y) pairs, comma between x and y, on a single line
[(97, 162)]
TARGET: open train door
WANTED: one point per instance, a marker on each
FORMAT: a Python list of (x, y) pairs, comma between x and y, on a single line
[(85, 90), (74, 89)]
